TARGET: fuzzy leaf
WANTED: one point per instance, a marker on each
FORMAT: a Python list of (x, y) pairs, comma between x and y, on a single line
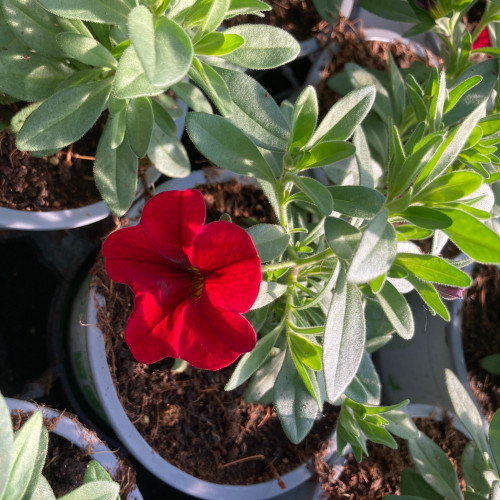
[(97, 11), (397, 310), (357, 201), (86, 50), (270, 240), (6, 444), (140, 121)]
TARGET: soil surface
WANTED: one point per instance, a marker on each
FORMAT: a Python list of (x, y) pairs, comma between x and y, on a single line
[(63, 180), (379, 474), (187, 417), (298, 17), (481, 335), (65, 464)]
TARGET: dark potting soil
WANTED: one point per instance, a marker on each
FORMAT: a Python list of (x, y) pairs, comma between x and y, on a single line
[(481, 335), (63, 180), (379, 474), (188, 417), (66, 463), (298, 17)]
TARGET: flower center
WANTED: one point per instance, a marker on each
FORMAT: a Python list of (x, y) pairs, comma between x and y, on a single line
[(197, 281)]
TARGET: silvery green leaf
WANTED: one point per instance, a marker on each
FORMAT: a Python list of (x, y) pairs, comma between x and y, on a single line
[(342, 237), (118, 126), (270, 240), (357, 201), (218, 44), (255, 111), (265, 46), (326, 153), (96, 472), (376, 251), (6, 444), (494, 438), (34, 25), (31, 77), (478, 476), (437, 103), (263, 381), (268, 293), (495, 491), (317, 192), (227, 146), (73, 26), (115, 173), (330, 10), (398, 91), (64, 117), (344, 337), (344, 116), (365, 387), (213, 18), (304, 118), (367, 174), (97, 11), (435, 467), (86, 50), (162, 46), (167, 154), (163, 119), (401, 424), (43, 490), (192, 96), (42, 444), (295, 406), (412, 483), (397, 310), (101, 490), (466, 410), (24, 456), (140, 121)]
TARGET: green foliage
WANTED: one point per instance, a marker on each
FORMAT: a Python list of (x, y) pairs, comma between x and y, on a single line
[(23, 457)]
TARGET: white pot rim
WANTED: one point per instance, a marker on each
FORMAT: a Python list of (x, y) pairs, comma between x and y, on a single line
[(77, 433), (130, 436), (74, 217)]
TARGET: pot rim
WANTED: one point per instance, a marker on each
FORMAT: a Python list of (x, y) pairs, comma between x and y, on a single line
[(131, 437), (73, 217), (74, 431)]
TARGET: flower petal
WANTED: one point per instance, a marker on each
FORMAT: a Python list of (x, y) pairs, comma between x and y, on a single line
[(211, 339), (228, 260), (171, 220)]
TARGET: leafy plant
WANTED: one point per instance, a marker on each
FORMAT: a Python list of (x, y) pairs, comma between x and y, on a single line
[(480, 459), (72, 63), (23, 458)]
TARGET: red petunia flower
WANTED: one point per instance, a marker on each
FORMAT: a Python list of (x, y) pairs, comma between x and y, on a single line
[(191, 282), (483, 40)]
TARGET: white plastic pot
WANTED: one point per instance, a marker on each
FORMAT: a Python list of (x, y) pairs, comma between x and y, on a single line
[(74, 217), (79, 435), (90, 367)]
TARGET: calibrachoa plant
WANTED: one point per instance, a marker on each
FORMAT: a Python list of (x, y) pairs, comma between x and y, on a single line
[(191, 282)]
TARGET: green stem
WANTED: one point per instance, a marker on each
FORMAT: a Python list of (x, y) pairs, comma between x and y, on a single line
[(299, 263)]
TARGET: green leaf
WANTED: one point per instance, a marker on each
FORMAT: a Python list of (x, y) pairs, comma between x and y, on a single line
[(435, 467), (167, 154), (494, 438), (64, 117), (118, 126), (218, 44), (326, 153), (472, 237), (6, 444), (304, 117), (213, 85), (395, 10), (376, 251), (192, 96), (140, 121), (344, 116), (253, 360), (397, 310), (24, 456), (377, 434), (255, 112), (434, 269), (475, 471), (317, 192), (227, 146), (466, 410), (115, 173), (427, 218), (97, 11), (43, 490), (162, 46), (401, 424), (342, 237), (430, 296), (357, 201), (491, 363), (41, 455), (365, 387), (86, 50), (261, 386), (163, 119), (398, 91), (450, 187), (330, 10), (412, 483), (213, 18), (36, 27), (99, 490), (457, 92), (270, 240), (31, 77), (437, 103), (344, 338), (308, 352), (95, 472), (269, 291), (296, 408), (265, 46)]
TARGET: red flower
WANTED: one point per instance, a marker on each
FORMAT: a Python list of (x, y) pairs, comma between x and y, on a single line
[(483, 40), (191, 282)]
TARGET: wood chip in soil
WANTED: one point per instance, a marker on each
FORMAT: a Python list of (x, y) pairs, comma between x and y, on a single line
[(66, 463), (379, 474), (188, 417), (481, 335)]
